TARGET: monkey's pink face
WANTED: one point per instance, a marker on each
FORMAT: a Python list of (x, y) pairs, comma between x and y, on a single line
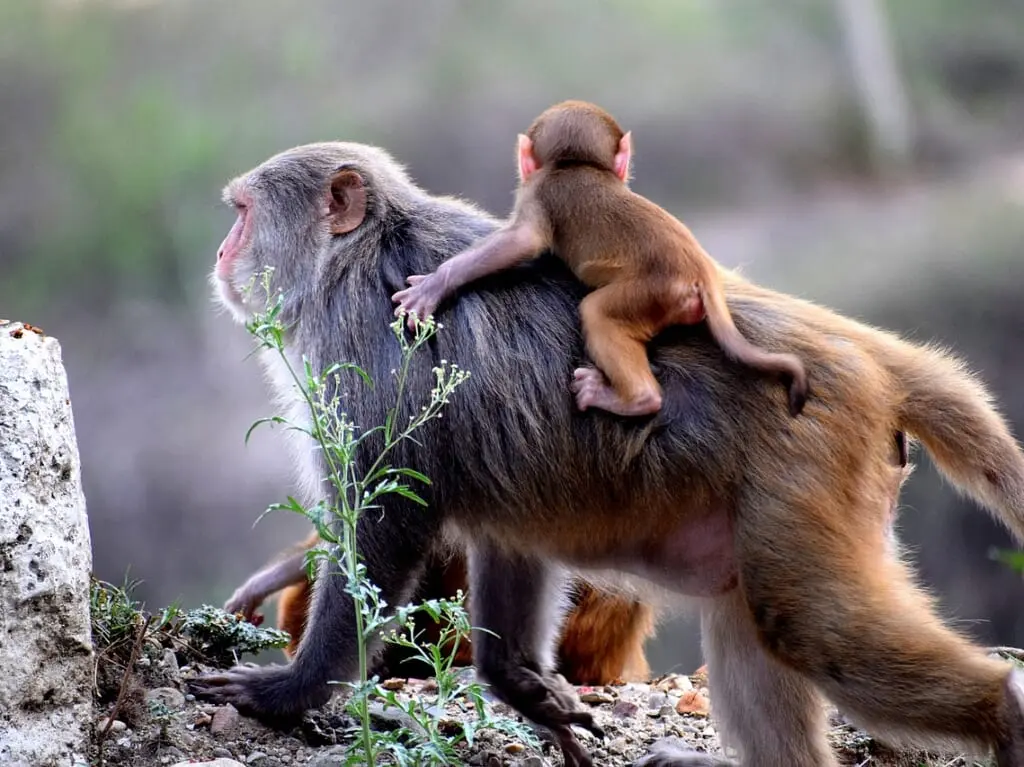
[(231, 273)]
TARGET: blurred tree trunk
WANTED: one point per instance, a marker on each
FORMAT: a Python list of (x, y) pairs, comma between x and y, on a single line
[(872, 57)]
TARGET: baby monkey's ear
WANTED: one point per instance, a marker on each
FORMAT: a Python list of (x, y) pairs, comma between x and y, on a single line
[(623, 156), (527, 160)]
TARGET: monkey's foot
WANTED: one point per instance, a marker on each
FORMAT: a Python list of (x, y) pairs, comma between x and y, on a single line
[(673, 752), (275, 695), (551, 702), (593, 390)]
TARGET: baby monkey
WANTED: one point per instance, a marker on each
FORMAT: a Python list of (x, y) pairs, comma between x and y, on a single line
[(646, 268)]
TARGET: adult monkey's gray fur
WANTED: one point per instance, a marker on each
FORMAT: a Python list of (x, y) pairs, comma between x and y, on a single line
[(780, 526)]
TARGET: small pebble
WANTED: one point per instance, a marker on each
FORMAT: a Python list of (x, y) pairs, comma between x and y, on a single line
[(222, 753), (117, 727), (166, 696), (255, 756), (328, 757), (618, 746), (596, 697), (625, 709), (515, 748), (393, 684), (656, 700), (675, 682), (214, 763), (693, 703), (532, 761), (224, 720)]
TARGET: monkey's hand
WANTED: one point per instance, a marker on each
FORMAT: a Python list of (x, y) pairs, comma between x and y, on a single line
[(674, 752), (422, 297), (243, 602), (272, 694)]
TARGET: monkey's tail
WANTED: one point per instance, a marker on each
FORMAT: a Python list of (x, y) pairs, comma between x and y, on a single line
[(950, 411), (787, 366)]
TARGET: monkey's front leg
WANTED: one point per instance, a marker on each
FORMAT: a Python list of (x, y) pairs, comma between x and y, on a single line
[(272, 578), (520, 599), (500, 250), (394, 547)]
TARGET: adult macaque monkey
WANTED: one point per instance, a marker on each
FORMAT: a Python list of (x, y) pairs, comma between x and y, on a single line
[(780, 526), (647, 268), (602, 640)]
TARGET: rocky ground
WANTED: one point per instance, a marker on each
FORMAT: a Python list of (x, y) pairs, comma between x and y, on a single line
[(157, 723)]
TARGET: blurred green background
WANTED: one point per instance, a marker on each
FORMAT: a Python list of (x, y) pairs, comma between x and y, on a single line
[(867, 155)]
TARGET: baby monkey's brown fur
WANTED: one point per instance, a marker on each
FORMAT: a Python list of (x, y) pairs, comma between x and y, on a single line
[(601, 642), (647, 269)]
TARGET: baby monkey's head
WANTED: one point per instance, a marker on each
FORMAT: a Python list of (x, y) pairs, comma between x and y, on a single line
[(574, 132)]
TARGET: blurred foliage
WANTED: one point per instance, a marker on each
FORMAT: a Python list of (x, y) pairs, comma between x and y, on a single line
[(121, 120)]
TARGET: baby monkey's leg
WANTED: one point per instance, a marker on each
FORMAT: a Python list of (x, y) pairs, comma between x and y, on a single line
[(616, 327)]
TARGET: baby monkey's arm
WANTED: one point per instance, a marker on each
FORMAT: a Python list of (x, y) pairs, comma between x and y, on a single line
[(519, 241)]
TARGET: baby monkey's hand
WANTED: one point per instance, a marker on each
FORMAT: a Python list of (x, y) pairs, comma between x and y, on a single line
[(421, 298)]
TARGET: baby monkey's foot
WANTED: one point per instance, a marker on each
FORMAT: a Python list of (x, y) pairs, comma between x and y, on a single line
[(593, 390)]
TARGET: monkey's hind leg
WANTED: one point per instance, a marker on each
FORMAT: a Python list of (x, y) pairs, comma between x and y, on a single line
[(616, 334), (769, 713), (850, 618)]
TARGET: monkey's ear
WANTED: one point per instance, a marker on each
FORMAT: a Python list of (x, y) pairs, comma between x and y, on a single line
[(527, 159), (346, 207), (623, 156)]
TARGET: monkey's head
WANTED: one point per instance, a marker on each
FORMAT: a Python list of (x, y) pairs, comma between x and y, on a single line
[(575, 132), (291, 212)]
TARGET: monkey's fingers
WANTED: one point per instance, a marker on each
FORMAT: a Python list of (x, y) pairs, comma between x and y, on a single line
[(271, 694), (415, 279), (414, 304), (241, 604), (229, 687)]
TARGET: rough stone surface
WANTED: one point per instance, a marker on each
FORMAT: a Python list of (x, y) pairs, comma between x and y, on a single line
[(46, 661)]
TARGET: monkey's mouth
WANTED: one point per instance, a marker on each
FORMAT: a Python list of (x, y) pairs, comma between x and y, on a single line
[(230, 297)]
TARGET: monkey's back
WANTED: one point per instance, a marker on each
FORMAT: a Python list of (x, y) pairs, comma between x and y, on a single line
[(605, 232)]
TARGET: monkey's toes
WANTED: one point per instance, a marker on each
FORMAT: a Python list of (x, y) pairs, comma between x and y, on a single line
[(588, 385), (271, 694), (573, 753), (582, 375)]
